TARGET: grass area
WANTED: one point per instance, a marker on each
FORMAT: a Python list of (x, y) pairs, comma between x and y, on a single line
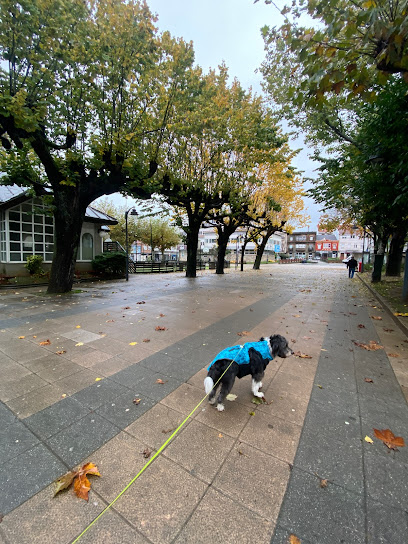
[(391, 290)]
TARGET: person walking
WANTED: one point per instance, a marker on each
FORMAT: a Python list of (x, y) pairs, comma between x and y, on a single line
[(351, 265)]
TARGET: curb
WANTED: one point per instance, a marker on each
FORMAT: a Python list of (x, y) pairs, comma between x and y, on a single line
[(385, 305)]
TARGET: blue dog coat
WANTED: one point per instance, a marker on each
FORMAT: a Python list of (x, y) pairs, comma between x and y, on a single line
[(239, 354)]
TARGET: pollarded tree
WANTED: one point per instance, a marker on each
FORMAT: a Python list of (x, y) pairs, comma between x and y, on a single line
[(157, 232), (85, 94), (212, 153)]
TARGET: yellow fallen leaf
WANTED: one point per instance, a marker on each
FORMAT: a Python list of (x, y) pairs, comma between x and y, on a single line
[(369, 440), (220, 435), (63, 395), (78, 327), (21, 337), (79, 344), (231, 397), (98, 379), (132, 343)]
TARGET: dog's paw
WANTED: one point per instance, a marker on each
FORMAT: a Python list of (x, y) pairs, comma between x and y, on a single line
[(212, 401), (259, 394), (220, 407)]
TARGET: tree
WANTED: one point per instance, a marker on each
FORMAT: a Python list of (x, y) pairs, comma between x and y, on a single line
[(212, 153), (118, 232), (85, 97), (157, 232)]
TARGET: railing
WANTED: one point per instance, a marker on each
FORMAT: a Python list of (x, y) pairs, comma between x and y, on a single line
[(113, 246)]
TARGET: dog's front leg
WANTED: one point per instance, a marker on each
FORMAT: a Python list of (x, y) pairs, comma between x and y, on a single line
[(256, 385)]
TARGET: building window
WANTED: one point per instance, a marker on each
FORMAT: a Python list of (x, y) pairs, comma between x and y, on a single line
[(87, 247), (311, 238), (31, 232), (301, 238)]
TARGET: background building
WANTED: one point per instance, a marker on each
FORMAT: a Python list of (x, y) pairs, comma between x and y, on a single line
[(302, 245), (352, 242), (327, 246)]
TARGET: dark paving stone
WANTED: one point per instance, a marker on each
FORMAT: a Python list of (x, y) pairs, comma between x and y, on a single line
[(132, 377), (53, 419), (15, 439), (339, 400), (332, 422), (322, 516), (386, 479), (157, 391), (386, 525), (25, 475), (6, 417), (123, 411), (282, 536), (82, 438), (99, 393)]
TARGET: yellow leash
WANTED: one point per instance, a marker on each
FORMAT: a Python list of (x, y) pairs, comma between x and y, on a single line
[(152, 458)]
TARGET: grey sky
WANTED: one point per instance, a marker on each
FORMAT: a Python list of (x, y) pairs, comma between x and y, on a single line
[(229, 31)]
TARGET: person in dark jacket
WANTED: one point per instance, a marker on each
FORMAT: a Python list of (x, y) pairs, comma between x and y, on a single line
[(351, 265)]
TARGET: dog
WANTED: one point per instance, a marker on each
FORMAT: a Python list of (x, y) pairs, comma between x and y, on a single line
[(250, 358)]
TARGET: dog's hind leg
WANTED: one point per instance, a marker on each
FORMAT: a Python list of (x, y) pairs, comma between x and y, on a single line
[(225, 389), (211, 397)]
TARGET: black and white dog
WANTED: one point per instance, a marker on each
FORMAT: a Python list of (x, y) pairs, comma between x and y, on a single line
[(249, 358)]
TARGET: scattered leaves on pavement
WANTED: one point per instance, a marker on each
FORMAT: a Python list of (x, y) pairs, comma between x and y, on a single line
[(368, 380), (141, 302), (133, 343), (388, 330), (251, 413), (302, 355), (79, 344), (162, 315), (392, 354), (60, 352), (160, 381), (231, 397), (21, 337), (146, 453), (160, 328), (220, 435), (369, 440), (109, 321), (306, 337), (45, 343), (98, 379), (126, 308), (78, 326), (136, 401), (361, 326), (146, 340), (81, 485), (376, 317), (293, 539), (371, 346), (401, 314), (243, 333), (390, 440), (323, 483)]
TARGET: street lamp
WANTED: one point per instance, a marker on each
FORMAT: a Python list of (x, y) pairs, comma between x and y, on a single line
[(132, 211)]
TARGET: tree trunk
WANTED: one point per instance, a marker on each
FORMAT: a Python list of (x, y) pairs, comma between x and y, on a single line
[(68, 219), (243, 254), (192, 243), (394, 261), (222, 249), (260, 252)]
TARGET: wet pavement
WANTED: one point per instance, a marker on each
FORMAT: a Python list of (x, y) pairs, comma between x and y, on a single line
[(72, 366)]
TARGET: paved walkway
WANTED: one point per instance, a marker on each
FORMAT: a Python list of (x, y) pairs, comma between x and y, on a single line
[(226, 477)]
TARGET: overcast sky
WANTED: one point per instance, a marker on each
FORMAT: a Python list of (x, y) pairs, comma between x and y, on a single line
[(229, 31)]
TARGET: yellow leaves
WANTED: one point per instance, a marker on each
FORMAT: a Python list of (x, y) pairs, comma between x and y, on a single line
[(133, 343), (369, 440)]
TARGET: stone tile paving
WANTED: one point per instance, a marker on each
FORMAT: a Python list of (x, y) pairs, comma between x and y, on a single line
[(231, 468)]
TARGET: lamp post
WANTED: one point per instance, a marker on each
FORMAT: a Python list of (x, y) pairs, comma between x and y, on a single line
[(151, 242), (132, 211)]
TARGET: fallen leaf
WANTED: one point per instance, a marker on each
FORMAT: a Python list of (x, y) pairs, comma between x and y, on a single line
[(231, 397), (160, 381), (371, 346), (132, 343), (361, 326), (45, 343), (302, 355), (60, 352), (293, 539), (251, 413), (81, 485), (390, 440), (126, 308), (220, 435), (296, 315), (79, 344), (323, 483), (306, 337), (160, 328), (98, 379), (146, 453), (392, 354), (21, 337), (369, 440), (388, 330), (146, 340), (401, 314), (162, 315), (136, 401), (257, 400), (320, 386), (243, 333), (63, 395), (141, 302), (368, 380), (109, 321), (78, 326), (376, 317)]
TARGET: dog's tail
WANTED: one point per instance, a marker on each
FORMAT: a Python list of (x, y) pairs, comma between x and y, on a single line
[(208, 385)]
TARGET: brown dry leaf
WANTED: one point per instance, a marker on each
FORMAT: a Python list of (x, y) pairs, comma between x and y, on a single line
[(146, 340), (160, 381), (368, 380), (293, 539), (392, 354), (306, 337), (388, 330), (371, 346), (21, 337), (141, 302), (160, 328), (376, 317), (390, 440), (126, 308), (301, 355), (136, 401), (323, 483), (109, 321), (60, 352), (296, 315), (146, 453), (243, 333), (361, 326), (45, 343), (220, 435), (162, 315), (81, 484)]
